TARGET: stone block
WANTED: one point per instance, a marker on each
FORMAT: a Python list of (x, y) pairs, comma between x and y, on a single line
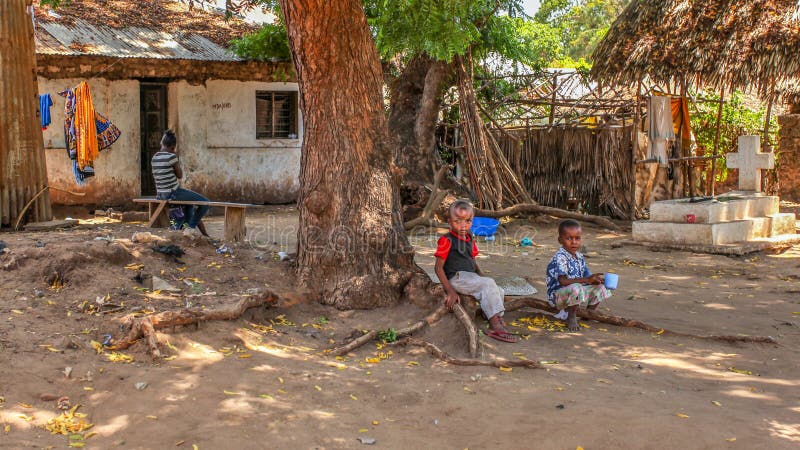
[(729, 207)]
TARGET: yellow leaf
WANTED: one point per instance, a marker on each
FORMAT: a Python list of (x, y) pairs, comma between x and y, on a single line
[(579, 448), (245, 355), (26, 417), (54, 350), (733, 439), (362, 430), (795, 313), (195, 447), (506, 369), (743, 372), (16, 311), (375, 422), (661, 331), (558, 388), (682, 416), (584, 325), (25, 405), (466, 389), (317, 388), (280, 380), (152, 417), (281, 391), (6, 428), (227, 392), (353, 397), (77, 444), (97, 346), (716, 403), (412, 363), (265, 396), (88, 388), (549, 362), (372, 360), (134, 266)]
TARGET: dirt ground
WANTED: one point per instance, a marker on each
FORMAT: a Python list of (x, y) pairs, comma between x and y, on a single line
[(263, 381)]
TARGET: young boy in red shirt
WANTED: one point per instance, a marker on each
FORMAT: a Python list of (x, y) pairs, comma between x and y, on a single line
[(459, 272)]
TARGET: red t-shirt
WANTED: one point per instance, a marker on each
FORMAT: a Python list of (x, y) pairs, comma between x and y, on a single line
[(443, 247)]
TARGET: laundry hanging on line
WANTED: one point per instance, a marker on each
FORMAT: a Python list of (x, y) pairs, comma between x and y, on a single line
[(86, 132), (45, 102)]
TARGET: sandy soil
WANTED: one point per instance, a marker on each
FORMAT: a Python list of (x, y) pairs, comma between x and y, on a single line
[(262, 382)]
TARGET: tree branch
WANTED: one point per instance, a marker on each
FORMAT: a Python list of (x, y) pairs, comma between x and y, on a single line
[(539, 209)]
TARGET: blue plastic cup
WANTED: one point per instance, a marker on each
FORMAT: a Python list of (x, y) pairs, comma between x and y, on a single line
[(610, 280)]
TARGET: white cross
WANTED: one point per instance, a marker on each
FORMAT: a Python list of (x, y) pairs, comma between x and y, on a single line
[(750, 161)]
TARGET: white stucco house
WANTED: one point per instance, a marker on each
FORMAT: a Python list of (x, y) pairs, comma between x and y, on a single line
[(238, 124)]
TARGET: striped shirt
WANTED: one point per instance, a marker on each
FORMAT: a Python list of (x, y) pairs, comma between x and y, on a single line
[(163, 172)]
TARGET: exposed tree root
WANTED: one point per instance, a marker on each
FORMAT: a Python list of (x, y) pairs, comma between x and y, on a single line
[(145, 327), (515, 303), (369, 336), (472, 330), (436, 198), (539, 209), (440, 354)]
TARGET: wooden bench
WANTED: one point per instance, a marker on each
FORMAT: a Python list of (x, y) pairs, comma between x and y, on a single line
[(235, 229)]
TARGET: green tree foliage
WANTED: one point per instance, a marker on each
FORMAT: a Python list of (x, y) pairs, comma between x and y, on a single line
[(270, 43), (737, 119), (440, 29), (581, 24)]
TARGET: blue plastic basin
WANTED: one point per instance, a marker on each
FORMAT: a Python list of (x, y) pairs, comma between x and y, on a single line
[(484, 226)]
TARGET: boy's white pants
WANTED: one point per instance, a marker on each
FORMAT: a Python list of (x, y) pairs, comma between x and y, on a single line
[(483, 288)]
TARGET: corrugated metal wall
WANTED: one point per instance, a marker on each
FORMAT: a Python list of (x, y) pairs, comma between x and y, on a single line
[(22, 163)]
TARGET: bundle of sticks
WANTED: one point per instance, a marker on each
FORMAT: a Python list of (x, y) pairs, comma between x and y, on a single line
[(490, 175)]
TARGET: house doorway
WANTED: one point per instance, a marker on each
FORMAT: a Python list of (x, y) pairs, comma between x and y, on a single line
[(153, 107)]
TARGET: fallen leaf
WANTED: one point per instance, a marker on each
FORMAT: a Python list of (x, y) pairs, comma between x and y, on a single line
[(353, 397), (152, 417), (265, 396), (716, 403), (280, 380), (375, 422), (6, 428), (579, 448), (25, 405), (549, 362), (179, 443), (88, 388), (603, 380), (195, 447), (412, 363), (362, 430), (16, 311), (317, 388), (506, 369), (26, 417), (245, 355), (682, 416), (281, 391), (743, 372), (733, 439), (661, 331), (134, 266), (231, 393)]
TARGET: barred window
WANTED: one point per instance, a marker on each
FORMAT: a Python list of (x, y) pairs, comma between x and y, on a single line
[(276, 115)]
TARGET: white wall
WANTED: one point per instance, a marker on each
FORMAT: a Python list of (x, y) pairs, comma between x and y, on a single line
[(217, 143), (221, 156), (117, 169)]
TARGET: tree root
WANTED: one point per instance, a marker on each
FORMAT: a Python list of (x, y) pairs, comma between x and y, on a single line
[(539, 209), (145, 327), (440, 354), (515, 303), (472, 330), (436, 198), (369, 336)]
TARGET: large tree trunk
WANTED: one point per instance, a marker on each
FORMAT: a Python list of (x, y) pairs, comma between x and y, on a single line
[(352, 249), (415, 99), (22, 164)]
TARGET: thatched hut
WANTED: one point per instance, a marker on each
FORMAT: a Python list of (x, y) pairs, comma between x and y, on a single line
[(715, 44)]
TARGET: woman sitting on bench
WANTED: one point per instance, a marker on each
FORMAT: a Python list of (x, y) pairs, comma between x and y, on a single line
[(166, 172)]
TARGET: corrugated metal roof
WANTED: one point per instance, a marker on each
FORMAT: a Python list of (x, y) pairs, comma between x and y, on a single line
[(81, 38)]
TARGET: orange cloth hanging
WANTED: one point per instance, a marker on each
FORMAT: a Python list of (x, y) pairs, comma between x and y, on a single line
[(85, 127), (681, 121)]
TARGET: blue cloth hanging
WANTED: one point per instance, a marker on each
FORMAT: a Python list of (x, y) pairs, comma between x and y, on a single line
[(45, 102)]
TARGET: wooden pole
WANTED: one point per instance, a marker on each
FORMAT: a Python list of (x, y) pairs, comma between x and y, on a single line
[(716, 144), (23, 173), (553, 99), (637, 118)]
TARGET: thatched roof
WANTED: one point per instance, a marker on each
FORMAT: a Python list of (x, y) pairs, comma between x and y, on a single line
[(709, 43)]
